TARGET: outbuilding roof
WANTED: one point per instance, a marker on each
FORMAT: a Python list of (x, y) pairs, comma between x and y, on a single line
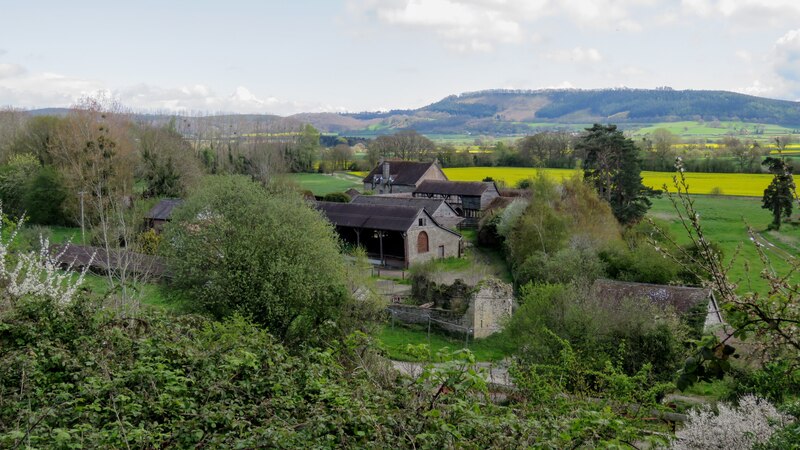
[(377, 217), (163, 209), (98, 259), (682, 298), (467, 188), (403, 172), (430, 204)]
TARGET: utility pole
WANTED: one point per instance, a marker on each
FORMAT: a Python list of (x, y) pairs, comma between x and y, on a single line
[(83, 230)]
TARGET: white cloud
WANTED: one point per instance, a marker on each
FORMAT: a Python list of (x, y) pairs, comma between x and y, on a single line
[(745, 12), (783, 78), (10, 70), (3, 51), (38, 90), (481, 25), (787, 57), (576, 55), (744, 55), (632, 71)]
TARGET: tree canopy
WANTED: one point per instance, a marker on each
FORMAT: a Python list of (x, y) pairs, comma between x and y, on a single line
[(236, 248), (612, 166)]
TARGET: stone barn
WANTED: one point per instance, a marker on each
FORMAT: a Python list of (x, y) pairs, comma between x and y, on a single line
[(396, 236), (392, 176), (444, 214)]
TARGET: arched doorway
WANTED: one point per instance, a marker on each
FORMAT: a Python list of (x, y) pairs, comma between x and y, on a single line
[(422, 242)]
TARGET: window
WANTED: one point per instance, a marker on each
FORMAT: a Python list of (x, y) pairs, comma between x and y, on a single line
[(422, 242), (422, 222)]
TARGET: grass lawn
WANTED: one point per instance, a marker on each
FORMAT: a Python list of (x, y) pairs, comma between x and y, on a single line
[(395, 339), (62, 235), (725, 220), (150, 294), (321, 184)]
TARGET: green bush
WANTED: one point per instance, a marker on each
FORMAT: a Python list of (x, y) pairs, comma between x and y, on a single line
[(237, 248), (643, 264), (630, 333), (73, 376), (44, 198), (338, 197), (564, 266)]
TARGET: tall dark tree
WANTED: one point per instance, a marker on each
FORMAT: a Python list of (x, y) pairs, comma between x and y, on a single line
[(779, 195), (612, 166)]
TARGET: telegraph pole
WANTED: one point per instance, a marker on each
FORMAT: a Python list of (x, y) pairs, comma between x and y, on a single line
[(83, 230)]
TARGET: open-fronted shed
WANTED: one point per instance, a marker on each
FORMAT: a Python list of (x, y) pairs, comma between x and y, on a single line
[(394, 235)]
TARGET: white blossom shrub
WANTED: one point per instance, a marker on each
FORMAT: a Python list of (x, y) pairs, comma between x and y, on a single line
[(510, 215), (732, 428), (36, 273)]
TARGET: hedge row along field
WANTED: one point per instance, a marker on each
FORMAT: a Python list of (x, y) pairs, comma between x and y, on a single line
[(738, 184)]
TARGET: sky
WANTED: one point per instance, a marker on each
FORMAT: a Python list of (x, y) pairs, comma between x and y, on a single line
[(285, 57)]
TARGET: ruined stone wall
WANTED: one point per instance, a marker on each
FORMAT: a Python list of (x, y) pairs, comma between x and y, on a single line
[(489, 306)]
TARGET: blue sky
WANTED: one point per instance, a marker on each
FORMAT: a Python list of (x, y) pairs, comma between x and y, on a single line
[(351, 55)]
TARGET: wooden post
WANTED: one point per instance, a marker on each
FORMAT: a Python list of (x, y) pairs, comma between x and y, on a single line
[(380, 238)]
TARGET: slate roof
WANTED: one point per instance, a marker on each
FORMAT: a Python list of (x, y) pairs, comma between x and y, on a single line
[(403, 172), (163, 209), (466, 188), (682, 298), (500, 203), (430, 204), (80, 256), (377, 217)]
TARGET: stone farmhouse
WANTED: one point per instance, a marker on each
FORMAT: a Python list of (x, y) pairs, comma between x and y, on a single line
[(390, 177), (444, 214), (396, 236)]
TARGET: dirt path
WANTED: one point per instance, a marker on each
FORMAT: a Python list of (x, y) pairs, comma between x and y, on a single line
[(771, 247)]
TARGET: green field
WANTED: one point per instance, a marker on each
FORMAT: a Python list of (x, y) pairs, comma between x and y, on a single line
[(725, 221), (321, 184), (694, 130), (738, 184)]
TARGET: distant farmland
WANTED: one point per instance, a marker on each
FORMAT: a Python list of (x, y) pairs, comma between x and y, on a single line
[(738, 184)]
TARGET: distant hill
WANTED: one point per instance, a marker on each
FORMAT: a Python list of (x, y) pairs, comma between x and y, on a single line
[(500, 112), (512, 112)]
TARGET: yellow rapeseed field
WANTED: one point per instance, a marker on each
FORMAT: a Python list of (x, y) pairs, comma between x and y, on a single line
[(739, 184)]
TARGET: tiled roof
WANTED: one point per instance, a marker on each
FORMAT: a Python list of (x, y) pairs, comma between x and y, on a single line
[(403, 172), (377, 217), (430, 204), (682, 298), (469, 188), (163, 209)]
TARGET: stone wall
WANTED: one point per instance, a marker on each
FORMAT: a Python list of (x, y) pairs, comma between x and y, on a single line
[(489, 306), (437, 237)]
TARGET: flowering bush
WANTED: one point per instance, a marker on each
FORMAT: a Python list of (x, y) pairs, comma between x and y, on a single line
[(35, 273), (742, 427)]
